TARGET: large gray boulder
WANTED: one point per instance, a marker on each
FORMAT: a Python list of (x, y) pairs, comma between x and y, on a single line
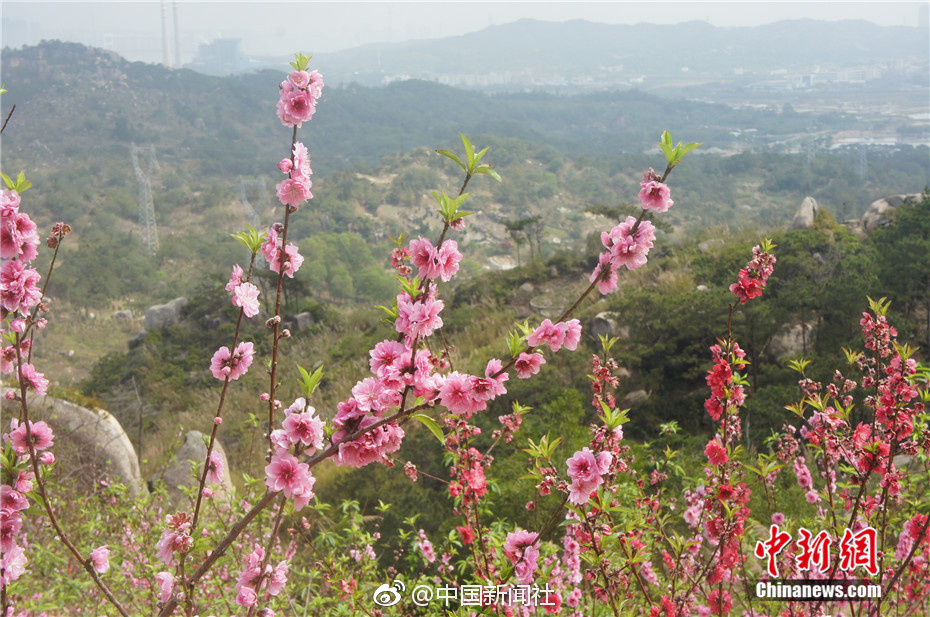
[(161, 315), (792, 340), (179, 473), (605, 324), (89, 443), (880, 210), (806, 215)]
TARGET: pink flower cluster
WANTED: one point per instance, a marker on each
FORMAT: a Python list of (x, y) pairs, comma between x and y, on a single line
[(244, 293), (175, 538), (654, 195), (433, 262), (753, 277), (289, 257), (418, 319), (627, 245), (564, 333), (13, 500), (587, 473), (19, 238), (520, 548), (232, 365), (296, 188), (724, 395), (19, 284), (253, 579), (298, 97), (301, 428)]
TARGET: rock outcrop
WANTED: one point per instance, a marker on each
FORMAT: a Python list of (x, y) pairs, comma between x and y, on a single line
[(161, 315), (179, 474), (792, 340), (880, 210), (806, 215), (92, 441)]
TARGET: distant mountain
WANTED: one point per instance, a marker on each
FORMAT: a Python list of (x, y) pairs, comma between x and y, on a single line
[(573, 48)]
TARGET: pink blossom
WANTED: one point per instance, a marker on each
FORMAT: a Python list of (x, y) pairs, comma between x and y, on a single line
[(12, 500), (549, 334), (585, 469), (13, 563), (165, 584), (234, 365), (426, 547), (271, 246), (295, 107), (41, 433), (572, 331), (34, 380), (495, 385), (294, 191), (520, 549), (100, 558), (246, 296), (528, 364), (246, 597), (19, 237), (300, 79), (215, 467), (373, 446), (655, 196), (305, 428), (389, 355), (285, 166), (625, 247), (716, 453), (24, 480), (278, 578), (315, 87), (173, 541), (442, 262), (346, 411), (285, 473), (280, 440), (418, 319), (458, 396), (234, 279), (301, 163), (606, 283), (11, 522), (19, 286), (292, 261)]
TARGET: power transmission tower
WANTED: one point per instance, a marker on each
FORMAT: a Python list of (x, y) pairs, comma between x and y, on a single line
[(259, 190), (146, 206), (862, 164)]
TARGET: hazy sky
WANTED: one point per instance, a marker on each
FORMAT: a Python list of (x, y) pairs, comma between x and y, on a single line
[(278, 28)]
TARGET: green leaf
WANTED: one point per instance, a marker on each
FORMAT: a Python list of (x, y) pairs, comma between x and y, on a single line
[(432, 425), (250, 239), (448, 154), (309, 381), (469, 152), (488, 170), (301, 62)]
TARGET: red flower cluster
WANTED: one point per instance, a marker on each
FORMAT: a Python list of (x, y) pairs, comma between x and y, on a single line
[(753, 277)]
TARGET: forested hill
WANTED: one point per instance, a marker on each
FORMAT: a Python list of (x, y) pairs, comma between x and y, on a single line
[(79, 109), (77, 104), (578, 47)]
